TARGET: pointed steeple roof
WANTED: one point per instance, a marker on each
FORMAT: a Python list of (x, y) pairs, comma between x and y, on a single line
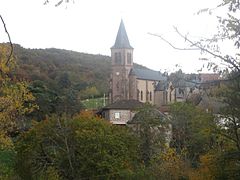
[(122, 38)]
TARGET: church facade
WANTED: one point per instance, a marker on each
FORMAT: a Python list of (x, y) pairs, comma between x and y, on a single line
[(130, 86), (130, 83)]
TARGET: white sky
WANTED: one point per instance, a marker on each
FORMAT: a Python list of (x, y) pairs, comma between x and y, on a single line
[(91, 26)]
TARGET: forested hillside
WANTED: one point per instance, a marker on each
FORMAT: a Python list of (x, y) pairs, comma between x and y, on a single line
[(61, 79), (57, 67)]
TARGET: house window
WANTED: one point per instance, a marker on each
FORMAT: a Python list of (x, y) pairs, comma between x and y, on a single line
[(141, 95), (117, 115), (118, 58), (129, 58)]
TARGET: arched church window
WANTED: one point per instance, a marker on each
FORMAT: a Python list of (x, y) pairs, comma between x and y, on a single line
[(118, 58), (150, 96), (170, 96), (138, 92), (141, 95)]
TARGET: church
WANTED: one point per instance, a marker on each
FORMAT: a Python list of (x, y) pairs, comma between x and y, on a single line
[(130, 83), (130, 87)]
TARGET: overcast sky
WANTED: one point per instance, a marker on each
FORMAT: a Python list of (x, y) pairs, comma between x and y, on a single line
[(91, 26)]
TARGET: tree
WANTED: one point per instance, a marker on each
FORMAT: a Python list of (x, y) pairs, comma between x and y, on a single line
[(89, 92), (217, 165), (169, 165), (152, 127), (228, 30), (69, 102), (229, 118), (57, 2), (16, 102), (46, 99), (82, 147), (191, 131)]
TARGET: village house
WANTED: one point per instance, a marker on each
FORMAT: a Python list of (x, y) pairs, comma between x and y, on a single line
[(121, 112)]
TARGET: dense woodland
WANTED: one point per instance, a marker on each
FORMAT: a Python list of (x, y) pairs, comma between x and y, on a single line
[(45, 135), (60, 79)]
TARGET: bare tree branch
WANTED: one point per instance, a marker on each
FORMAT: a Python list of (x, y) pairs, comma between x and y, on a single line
[(9, 38), (198, 46), (226, 59), (58, 3), (174, 47)]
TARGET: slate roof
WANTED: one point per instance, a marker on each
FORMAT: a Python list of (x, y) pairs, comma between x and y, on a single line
[(122, 38), (125, 104), (161, 86), (148, 74), (183, 83)]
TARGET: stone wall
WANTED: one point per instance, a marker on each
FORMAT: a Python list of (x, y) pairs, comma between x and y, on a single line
[(147, 88), (118, 116), (160, 98)]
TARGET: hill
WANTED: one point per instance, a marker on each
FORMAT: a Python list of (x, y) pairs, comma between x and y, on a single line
[(60, 79), (51, 65)]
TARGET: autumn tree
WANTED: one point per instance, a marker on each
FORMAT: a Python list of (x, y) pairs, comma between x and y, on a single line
[(83, 147), (191, 131), (226, 159), (217, 165), (229, 118), (152, 128), (16, 102), (228, 66), (89, 92), (169, 164)]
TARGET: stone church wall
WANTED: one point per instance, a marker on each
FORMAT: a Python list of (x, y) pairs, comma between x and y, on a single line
[(146, 90), (160, 98)]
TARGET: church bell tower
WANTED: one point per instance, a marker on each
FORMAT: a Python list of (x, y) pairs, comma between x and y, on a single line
[(122, 63)]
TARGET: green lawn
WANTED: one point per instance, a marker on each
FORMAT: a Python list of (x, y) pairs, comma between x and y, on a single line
[(94, 103)]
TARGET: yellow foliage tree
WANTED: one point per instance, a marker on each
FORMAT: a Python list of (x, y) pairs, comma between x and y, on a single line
[(89, 92), (15, 99), (217, 165), (170, 165)]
